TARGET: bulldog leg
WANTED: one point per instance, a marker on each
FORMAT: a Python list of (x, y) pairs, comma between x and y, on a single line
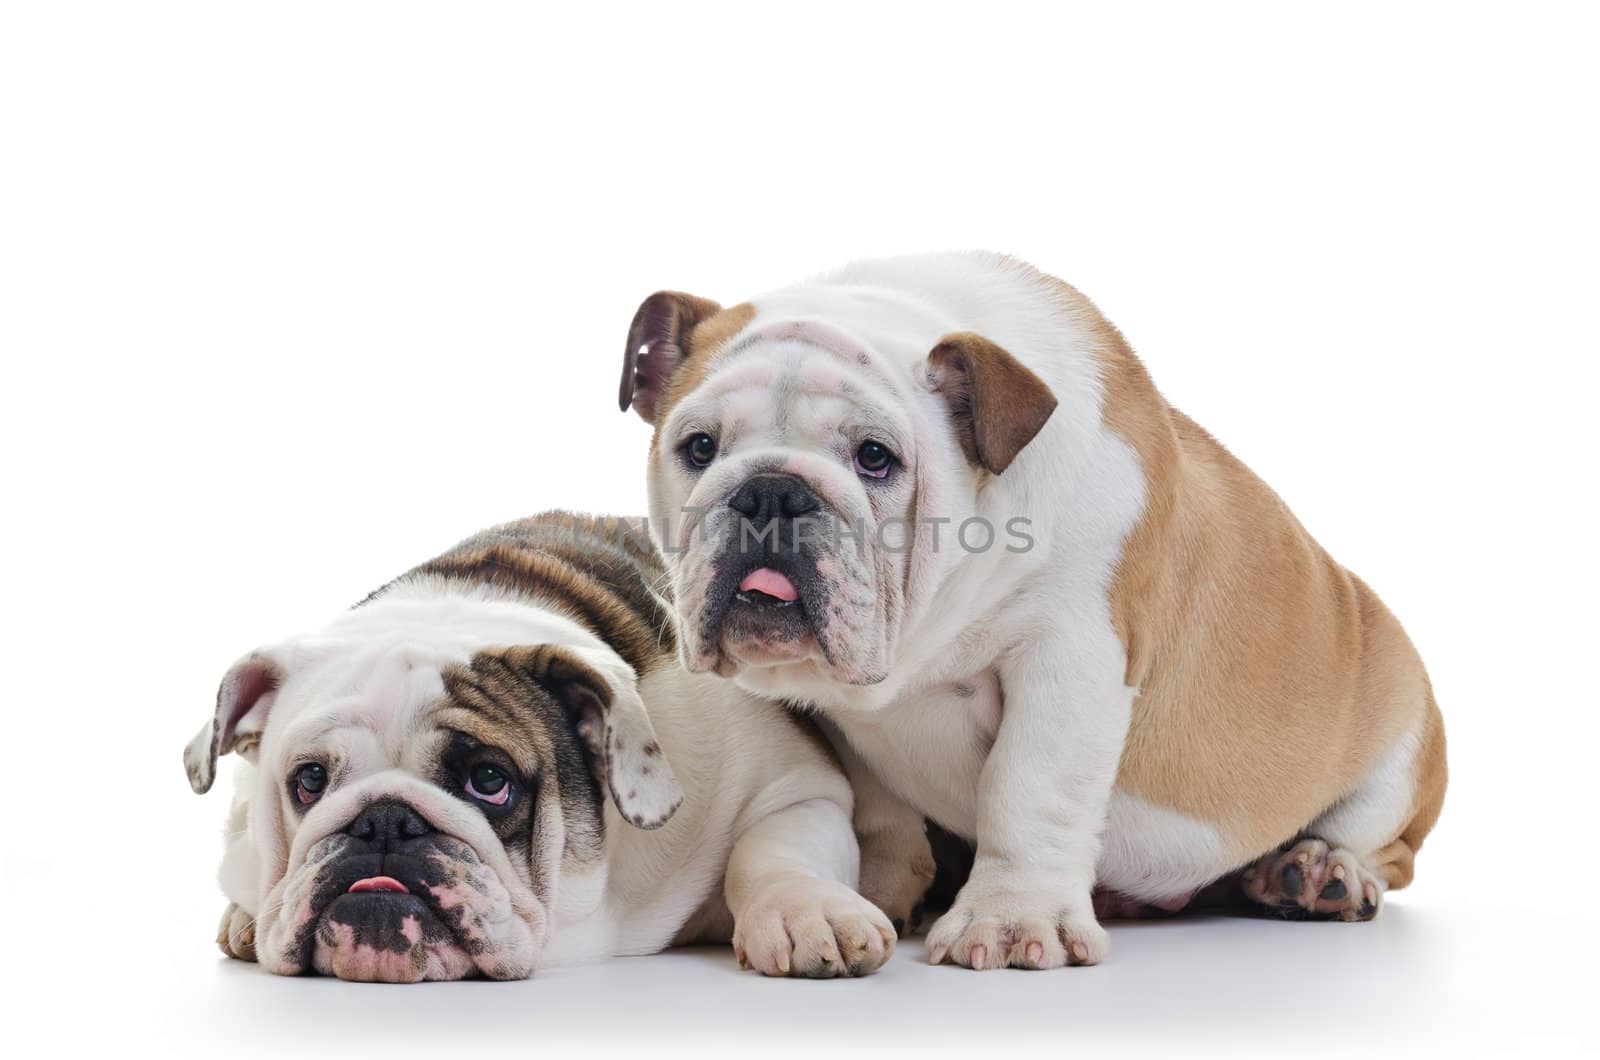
[(1312, 879), (1366, 844), (897, 863), (240, 872), (788, 887), (1042, 800), (236, 934)]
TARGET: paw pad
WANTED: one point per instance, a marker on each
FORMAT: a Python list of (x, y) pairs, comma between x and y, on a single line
[(1313, 881)]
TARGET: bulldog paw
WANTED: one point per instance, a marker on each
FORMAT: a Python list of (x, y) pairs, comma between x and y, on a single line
[(1000, 930), (236, 934), (1311, 880), (816, 929), (897, 868)]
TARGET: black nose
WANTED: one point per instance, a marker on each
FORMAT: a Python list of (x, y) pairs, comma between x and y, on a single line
[(764, 498), (388, 823)]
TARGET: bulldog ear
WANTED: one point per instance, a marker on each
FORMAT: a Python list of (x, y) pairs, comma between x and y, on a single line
[(996, 403), (243, 700), (658, 341), (600, 693)]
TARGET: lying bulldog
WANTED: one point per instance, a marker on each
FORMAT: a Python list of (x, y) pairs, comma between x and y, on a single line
[(939, 499), (428, 797)]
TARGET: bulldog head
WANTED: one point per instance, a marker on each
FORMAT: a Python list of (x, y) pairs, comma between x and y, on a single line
[(808, 476), (416, 807)]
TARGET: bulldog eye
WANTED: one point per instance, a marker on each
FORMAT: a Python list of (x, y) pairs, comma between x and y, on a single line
[(873, 459), (309, 782), (700, 450), (488, 783)]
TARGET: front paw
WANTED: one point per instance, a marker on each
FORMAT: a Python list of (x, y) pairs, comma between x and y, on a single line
[(991, 927), (236, 934), (813, 928)]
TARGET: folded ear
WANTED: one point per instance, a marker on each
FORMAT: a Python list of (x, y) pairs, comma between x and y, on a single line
[(658, 341), (243, 700), (996, 403), (600, 693)]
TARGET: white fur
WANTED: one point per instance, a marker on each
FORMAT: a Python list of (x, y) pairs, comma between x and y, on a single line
[(1032, 783), (1380, 806), (1153, 854)]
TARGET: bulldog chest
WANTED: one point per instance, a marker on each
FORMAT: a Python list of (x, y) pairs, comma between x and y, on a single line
[(929, 746)]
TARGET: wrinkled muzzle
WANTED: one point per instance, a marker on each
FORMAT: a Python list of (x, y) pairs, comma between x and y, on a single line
[(391, 898), (776, 576)]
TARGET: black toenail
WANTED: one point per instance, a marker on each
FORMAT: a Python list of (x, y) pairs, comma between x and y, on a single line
[(1368, 910), (1293, 881), (899, 926), (1334, 891)]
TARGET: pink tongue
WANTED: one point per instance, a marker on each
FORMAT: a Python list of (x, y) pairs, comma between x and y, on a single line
[(378, 883), (766, 580)]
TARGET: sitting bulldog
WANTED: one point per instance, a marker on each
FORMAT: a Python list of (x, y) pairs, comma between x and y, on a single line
[(939, 499)]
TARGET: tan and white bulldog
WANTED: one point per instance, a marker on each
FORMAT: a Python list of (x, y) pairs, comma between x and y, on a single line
[(428, 797), (939, 499)]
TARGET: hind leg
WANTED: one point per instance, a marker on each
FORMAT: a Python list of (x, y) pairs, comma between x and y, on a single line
[(1313, 880), (1366, 844)]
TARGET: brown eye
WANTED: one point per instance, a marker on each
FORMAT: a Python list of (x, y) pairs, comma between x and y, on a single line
[(873, 459), (701, 450), (309, 782), (486, 782)]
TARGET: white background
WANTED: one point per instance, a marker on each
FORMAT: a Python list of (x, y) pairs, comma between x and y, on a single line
[(293, 297)]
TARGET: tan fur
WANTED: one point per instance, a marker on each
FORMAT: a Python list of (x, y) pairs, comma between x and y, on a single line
[(697, 328), (996, 403), (1248, 642), (708, 338), (1395, 860), (656, 347)]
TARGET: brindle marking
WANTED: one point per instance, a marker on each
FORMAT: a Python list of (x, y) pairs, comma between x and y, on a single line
[(498, 701), (600, 571)]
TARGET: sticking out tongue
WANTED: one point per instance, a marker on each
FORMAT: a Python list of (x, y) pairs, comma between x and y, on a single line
[(378, 883), (768, 581)]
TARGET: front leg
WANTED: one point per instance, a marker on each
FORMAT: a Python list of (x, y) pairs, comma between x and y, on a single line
[(240, 874), (789, 887), (236, 933), (1042, 799), (897, 864)]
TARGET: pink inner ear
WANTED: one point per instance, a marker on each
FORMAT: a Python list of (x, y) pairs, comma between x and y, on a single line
[(642, 365), (591, 723), (244, 690)]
